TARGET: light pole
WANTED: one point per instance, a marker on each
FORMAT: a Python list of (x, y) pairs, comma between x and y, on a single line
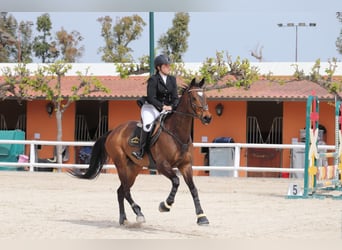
[(151, 16), (296, 25)]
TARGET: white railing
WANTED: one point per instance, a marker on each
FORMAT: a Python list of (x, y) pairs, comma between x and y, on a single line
[(32, 154), (236, 167)]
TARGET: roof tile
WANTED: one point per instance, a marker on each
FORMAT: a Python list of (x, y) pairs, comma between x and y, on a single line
[(135, 86)]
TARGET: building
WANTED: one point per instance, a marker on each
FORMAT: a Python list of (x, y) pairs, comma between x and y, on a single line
[(267, 112)]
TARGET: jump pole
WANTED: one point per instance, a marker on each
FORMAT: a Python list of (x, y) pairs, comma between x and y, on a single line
[(311, 170)]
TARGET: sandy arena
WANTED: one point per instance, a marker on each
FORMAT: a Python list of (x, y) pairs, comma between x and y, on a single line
[(38, 205)]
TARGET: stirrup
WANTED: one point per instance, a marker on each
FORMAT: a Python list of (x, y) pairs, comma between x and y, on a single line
[(138, 155)]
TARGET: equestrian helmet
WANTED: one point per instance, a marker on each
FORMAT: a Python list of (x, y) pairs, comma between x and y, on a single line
[(160, 60)]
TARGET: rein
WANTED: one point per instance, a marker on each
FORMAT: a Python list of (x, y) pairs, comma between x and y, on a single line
[(194, 106), (184, 146), (185, 113), (192, 114)]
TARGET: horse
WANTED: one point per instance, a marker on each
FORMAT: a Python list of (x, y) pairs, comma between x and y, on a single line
[(172, 150)]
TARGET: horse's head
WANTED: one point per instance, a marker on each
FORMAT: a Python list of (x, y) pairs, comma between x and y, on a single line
[(198, 101)]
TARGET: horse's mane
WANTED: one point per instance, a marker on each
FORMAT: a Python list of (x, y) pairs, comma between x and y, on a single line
[(194, 84), (184, 90)]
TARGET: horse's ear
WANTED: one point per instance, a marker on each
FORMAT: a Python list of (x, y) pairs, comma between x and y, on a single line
[(201, 83), (193, 82)]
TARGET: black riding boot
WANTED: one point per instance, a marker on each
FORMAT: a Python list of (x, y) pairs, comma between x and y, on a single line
[(143, 145)]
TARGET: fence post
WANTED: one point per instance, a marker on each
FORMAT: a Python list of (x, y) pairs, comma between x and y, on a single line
[(32, 156), (236, 160)]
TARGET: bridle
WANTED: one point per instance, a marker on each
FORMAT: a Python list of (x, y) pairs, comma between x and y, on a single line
[(203, 106), (194, 106)]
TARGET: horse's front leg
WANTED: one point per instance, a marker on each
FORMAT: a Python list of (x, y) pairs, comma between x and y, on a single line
[(165, 206), (166, 169), (201, 217)]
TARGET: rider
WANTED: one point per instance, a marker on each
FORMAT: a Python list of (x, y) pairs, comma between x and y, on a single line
[(162, 95)]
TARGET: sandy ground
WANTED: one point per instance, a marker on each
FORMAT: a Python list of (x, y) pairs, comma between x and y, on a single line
[(38, 205)]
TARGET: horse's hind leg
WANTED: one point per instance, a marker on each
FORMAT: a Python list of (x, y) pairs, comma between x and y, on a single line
[(201, 217), (135, 207), (122, 213), (127, 177)]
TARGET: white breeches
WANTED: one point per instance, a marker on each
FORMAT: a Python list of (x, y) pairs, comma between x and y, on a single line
[(148, 115)]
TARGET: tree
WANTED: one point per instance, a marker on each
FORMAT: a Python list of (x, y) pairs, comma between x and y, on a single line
[(6, 38), (326, 81), (24, 48), (118, 37), (43, 45), (219, 72), (339, 39), (15, 39), (47, 81), (16, 83), (222, 72), (174, 43), (67, 44), (257, 53)]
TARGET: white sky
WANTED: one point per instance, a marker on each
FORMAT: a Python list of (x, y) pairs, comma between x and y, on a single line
[(234, 28)]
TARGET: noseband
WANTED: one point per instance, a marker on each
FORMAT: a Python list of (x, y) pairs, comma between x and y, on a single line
[(194, 106)]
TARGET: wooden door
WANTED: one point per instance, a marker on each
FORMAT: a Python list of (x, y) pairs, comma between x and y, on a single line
[(264, 157)]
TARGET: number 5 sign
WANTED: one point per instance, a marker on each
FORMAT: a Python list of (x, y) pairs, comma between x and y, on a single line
[(294, 190)]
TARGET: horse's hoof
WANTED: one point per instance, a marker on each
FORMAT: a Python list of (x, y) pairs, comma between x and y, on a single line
[(164, 207), (123, 222), (141, 219), (202, 220)]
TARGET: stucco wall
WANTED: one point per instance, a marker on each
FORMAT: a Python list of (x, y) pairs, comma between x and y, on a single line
[(231, 123), (38, 121)]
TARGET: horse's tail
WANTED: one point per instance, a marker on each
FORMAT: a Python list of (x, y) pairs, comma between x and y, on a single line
[(97, 159)]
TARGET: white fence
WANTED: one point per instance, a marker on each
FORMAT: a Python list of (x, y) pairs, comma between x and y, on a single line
[(236, 167), (237, 156)]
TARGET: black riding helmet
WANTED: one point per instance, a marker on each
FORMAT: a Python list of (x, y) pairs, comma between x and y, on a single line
[(160, 60)]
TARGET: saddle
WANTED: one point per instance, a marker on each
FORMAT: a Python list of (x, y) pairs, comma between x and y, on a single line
[(134, 139)]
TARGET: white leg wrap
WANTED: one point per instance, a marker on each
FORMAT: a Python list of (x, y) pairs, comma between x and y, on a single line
[(167, 205)]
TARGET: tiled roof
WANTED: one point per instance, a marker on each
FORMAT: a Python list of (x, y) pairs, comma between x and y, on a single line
[(132, 87), (135, 86), (264, 89)]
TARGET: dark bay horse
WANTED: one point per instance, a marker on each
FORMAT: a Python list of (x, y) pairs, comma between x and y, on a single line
[(173, 149)]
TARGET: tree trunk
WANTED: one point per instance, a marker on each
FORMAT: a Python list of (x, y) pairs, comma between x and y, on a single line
[(59, 148)]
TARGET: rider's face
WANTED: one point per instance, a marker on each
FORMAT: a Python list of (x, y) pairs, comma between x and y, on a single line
[(165, 69)]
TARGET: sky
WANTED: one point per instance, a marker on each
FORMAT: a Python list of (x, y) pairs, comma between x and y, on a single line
[(237, 27)]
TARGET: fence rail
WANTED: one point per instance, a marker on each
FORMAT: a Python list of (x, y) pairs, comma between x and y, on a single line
[(236, 167)]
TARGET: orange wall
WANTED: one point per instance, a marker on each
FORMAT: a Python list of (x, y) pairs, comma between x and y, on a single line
[(231, 123), (295, 119), (122, 111), (38, 121)]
